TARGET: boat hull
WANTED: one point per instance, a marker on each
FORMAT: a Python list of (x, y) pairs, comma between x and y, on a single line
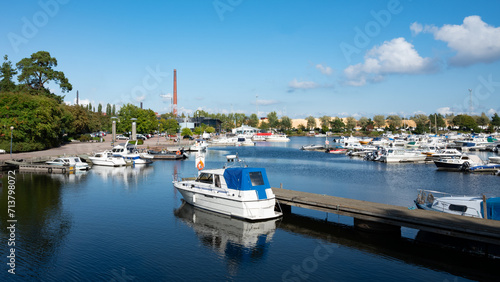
[(229, 205)]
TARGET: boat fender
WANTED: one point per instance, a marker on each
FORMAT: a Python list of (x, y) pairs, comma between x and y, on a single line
[(178, 152), (50, 170)]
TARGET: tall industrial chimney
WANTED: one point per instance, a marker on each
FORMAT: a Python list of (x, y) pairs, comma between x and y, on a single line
[(77, 97), (141, 105), (175, 93)]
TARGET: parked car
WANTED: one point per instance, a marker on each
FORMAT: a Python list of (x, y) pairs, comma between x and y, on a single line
[(140, 136), (121, 137), (188, 137)]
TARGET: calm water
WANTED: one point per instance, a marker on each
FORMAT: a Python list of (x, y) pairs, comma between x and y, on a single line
[(129, 224)]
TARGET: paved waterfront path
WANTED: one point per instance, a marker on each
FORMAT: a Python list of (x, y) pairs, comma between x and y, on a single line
[(82, 148)]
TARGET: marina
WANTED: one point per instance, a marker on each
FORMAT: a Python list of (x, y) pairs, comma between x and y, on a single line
[(121, 214)]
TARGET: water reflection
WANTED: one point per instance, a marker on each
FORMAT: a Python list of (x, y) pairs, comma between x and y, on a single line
[(422, 253), (42, 222), (237, 241), (125, 175)]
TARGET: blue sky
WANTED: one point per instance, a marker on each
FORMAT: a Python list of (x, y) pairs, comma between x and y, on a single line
[(301, 58)]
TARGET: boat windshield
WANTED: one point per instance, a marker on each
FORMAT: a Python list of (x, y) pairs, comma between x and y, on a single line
[(256, 178), (205, 178)]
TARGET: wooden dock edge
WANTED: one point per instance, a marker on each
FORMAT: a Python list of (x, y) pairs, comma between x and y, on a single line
[(477, 229)]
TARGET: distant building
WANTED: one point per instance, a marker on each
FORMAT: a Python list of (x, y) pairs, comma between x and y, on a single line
[(245, 129), (194, 122)]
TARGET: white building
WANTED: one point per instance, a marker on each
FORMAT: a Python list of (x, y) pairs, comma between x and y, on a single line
[(245, 130)]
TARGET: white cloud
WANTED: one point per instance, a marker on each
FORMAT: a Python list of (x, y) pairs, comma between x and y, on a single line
[(416, 28), (166, 97), (474, 41), (140, 98), (294, 84), (444, 111), (267, 102), (324, 69), (491, 112), (393, 57)]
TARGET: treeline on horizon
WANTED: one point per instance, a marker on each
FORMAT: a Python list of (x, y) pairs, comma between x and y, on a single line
[(42, 120)]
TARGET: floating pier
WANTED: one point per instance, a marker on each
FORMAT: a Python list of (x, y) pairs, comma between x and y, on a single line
[(22, 166), (388, 218)]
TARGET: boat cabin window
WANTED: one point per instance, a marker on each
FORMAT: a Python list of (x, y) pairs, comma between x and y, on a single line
[(458, 208), (205, 178), (217, 181), (256, 178)]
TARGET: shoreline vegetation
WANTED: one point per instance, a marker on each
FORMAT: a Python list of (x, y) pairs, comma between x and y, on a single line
[(38, 119)]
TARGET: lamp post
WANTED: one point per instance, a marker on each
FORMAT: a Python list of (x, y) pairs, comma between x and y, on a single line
[(11, 130), (134, 130), (113, 130), (158, 142)]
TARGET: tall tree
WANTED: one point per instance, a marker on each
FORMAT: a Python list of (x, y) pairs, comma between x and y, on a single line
[(325, 121), (337, 125), (363, 122), (7, 73), (272, 118), (108, 110), (311, 122), (38, 70), (394, 121), (495, 120), (286, 123), (483, 120), (99, 108), (379, 121), (350, 123), (253, 121)]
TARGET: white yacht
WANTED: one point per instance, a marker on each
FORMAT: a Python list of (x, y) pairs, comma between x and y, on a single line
[(277, 138), (460, 205), (106, 158), (199, 145), (398, 155), (129, 153), (458, 163), (235, 190), (75, 162)]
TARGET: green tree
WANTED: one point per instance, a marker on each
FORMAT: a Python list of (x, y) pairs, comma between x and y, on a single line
[(466, 122), (169, 125), (113, 110), (325, 122), (186, 131), (7, 73), (363, 122), (311, 123), (99, 108), (38, 70), (337, 125), (495, 120), (379, 121), (350, 123), (482, 120), (272, 118), (286, 123), (264, 126), (394, 121), (253, 121), (38, 121)]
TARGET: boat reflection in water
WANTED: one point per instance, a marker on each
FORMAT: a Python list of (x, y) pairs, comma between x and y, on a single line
[(125, 174), (236, 240)]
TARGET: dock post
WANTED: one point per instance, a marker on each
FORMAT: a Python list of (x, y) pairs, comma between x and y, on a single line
[(376, 227)]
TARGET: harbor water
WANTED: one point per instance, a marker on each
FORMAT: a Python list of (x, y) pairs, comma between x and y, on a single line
[(130, 224)]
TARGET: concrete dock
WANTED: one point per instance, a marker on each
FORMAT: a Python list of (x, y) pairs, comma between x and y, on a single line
[(388, 218)]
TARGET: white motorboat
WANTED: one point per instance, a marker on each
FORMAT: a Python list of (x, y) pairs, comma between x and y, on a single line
[(75, 162), (494, 160), (313, 147), (106, 158), (244, 141), (199, 145), (460, 205), (224, 141), (458, 163), (446, 153), (277, 138), (129, 153), (399, 155), (235, 190)]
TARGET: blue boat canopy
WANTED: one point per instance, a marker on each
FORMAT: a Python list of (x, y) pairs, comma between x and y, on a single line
[(492, 208), (246, 178)]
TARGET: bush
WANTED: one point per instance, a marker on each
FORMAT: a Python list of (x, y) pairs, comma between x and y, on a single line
[(84, 138), (140, 142)]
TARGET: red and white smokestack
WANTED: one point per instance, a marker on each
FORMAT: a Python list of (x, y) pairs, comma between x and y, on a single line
[(175, 93)]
